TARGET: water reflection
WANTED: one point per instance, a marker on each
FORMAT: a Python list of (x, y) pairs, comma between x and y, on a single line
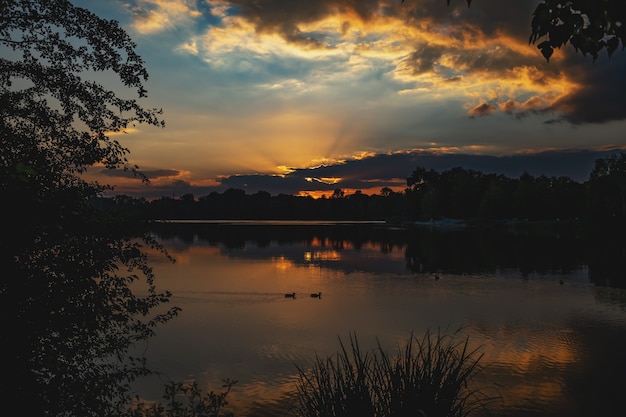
[(419, 249), (550, 348)]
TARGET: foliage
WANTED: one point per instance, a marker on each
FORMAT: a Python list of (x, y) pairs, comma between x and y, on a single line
[(590, 26), (236, 204), (74, 307), (607, 188), (430, 195), (186, 400), (54, 120), (468, 194), (428, 377), (77, 293)]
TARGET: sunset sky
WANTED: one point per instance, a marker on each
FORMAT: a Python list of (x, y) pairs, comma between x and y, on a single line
[(308, 96)]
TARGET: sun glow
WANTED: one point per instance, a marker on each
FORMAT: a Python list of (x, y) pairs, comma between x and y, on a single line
[(277, 94)]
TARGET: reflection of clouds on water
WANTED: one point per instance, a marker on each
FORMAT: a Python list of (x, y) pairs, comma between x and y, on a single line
[(528, 363), (374, 248), (537, 335)]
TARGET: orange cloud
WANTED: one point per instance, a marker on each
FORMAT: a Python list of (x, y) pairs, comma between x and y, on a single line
[(482, 109), (424, 52)]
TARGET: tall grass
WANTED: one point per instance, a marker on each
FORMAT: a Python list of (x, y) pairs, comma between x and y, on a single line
[(428, 377)]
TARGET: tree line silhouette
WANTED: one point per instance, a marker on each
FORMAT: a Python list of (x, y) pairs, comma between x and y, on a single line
[(430, 195)]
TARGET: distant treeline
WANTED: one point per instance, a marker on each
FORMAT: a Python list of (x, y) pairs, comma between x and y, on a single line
[(430, 195)]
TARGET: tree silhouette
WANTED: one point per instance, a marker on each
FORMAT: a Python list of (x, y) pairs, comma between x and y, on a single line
[(69, 316), (589, 26), (338, 193), (607, 187)]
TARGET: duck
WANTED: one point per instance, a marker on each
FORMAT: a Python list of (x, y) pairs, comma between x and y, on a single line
[(316, 295), (290, 295)]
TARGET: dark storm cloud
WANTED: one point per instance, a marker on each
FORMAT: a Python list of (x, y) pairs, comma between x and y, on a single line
[(599, 98), (150, 174), (602, 96), (171, 189), (386, 170), (576, 164), (494, 17), (302, 180), (284, 16), (272, 184), (490, 16), (602, 93), (423, 59)]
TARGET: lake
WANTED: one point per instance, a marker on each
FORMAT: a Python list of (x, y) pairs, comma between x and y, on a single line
[(547, 312)]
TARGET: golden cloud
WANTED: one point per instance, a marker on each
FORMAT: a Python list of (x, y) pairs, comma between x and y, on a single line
[(156, 15)]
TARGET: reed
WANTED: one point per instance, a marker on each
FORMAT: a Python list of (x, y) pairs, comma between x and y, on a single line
[(428, 377), (337, 386)]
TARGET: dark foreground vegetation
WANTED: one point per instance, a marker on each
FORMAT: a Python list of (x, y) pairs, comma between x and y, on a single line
[(428, 376)]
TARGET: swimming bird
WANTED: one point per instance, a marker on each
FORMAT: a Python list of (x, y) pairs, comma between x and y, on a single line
[(317, 295), (290, 295)]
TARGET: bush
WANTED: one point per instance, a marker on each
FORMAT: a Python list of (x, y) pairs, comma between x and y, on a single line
[(186, 400), (427, 377)]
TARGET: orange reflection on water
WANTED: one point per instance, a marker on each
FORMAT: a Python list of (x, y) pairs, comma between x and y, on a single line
[(323, 242), (526, 352), (281, 263), (255, 398), (516, 360), (182, 254), (237, 323), (326, 255)]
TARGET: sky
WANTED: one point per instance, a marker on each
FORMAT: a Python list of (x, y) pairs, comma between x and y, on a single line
[(305, 97)]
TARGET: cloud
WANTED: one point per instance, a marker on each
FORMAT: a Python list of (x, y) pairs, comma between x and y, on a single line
[(156, 15), (150, 174), (417, 46), (602, 94), (509, 106), (482, 109), (576, 164), (376, 171)]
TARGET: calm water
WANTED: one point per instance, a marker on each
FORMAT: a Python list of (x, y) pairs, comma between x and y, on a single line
[(552, 332)]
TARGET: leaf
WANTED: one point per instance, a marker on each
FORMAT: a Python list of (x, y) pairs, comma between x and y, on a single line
[(546, 50), (611, 45), (540, 23), (576, 42)]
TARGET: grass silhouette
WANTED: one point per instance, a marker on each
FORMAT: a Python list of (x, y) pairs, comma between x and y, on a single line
[(427, 377)]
